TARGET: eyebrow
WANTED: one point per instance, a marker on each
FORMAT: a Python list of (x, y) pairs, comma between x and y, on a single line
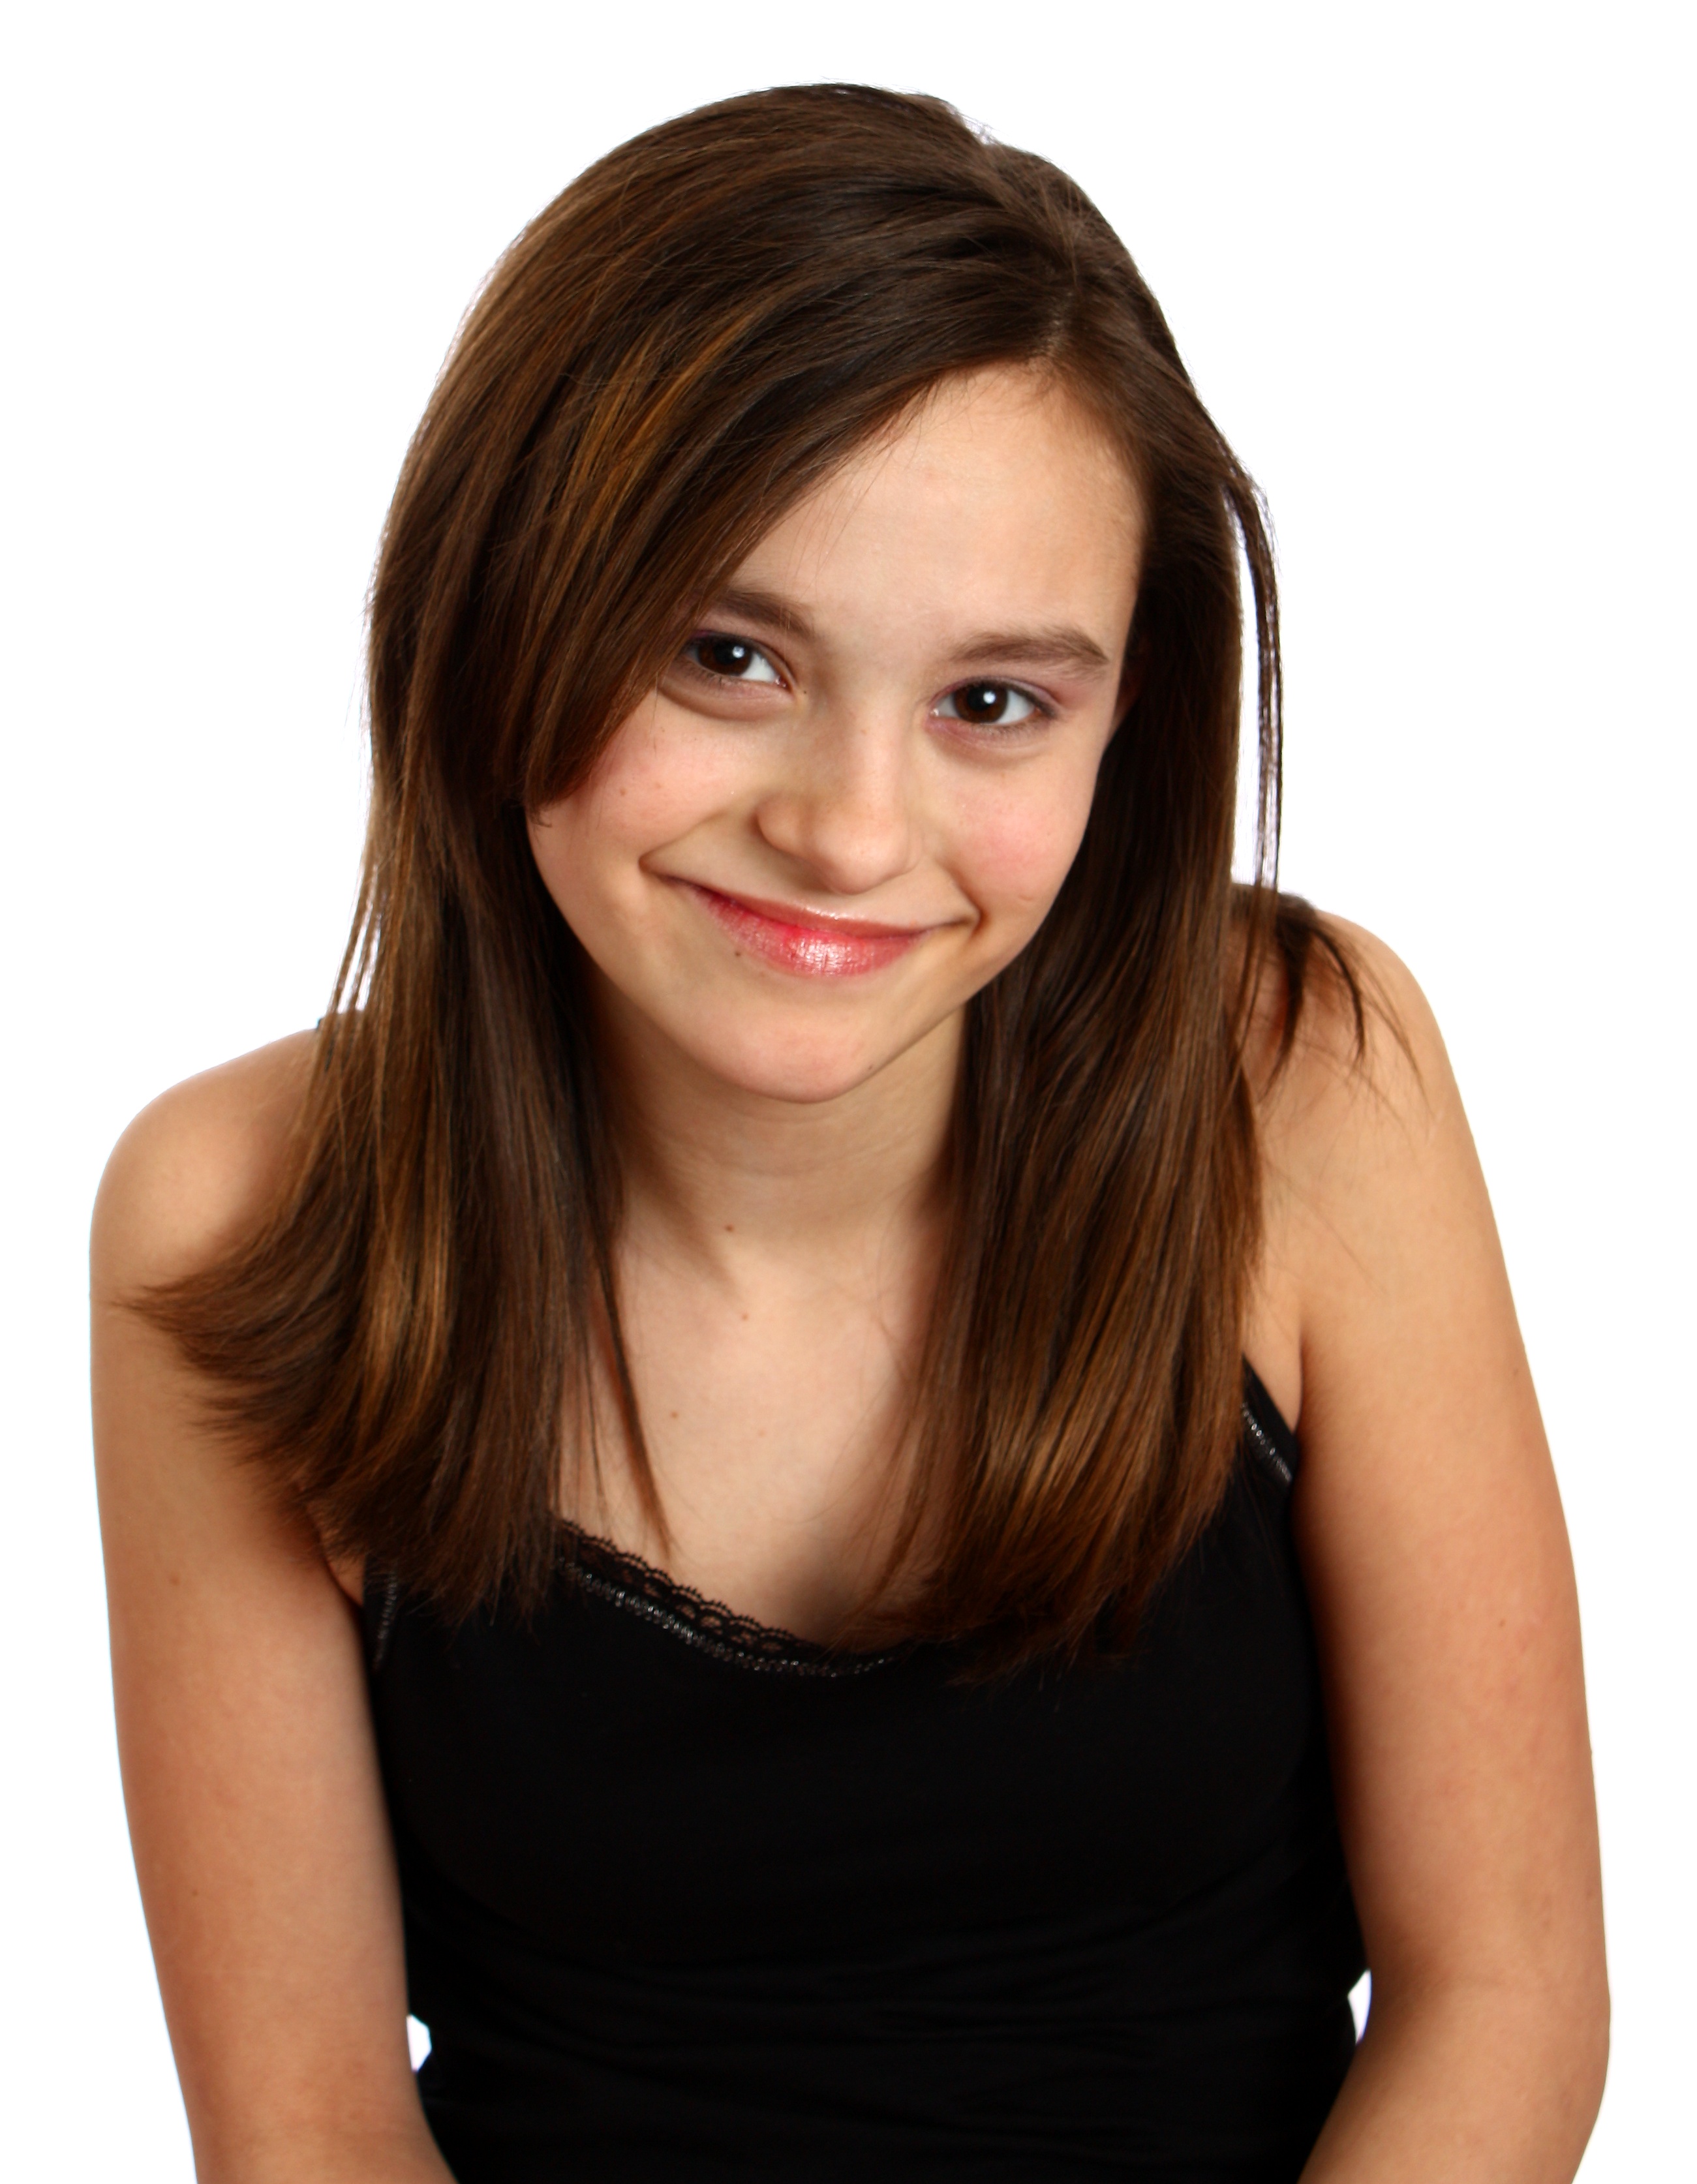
[(1058, 646), (753, 605)]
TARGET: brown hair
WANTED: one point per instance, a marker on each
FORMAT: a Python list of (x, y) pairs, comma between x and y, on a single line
[(686, 340)]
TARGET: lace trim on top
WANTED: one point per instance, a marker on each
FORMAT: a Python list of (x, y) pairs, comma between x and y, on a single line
[(606, 1572)]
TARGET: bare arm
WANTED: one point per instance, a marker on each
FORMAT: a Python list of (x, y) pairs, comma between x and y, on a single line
[(250, 1774), (1437, 1559)]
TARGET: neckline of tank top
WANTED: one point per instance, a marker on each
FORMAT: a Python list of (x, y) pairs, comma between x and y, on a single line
[(626, 1581), (605, 1572), (596, 1567)]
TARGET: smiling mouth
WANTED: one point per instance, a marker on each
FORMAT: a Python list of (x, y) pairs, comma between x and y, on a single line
[(808, 944)]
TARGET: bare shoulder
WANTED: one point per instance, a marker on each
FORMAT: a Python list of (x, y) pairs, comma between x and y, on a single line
[(1373, 1201), (192, 1177), (197, 1166), (1362, 1108), (1365, 1074), (1386, 1280)]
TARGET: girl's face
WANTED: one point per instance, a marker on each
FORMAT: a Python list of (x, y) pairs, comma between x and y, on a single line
[(857, 790)]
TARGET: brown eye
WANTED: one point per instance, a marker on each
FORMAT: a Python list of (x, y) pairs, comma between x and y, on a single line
[(732, 657), (990, 705)]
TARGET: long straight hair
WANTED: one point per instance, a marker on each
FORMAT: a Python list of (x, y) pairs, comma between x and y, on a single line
[(694, 334)]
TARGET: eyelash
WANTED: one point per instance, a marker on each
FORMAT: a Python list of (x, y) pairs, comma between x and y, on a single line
[(1040, 709)]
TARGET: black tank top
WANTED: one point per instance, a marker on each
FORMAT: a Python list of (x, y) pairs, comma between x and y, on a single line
[(687, 1898)]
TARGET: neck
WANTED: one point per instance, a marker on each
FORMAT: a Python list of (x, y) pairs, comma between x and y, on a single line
[(724, 1173)]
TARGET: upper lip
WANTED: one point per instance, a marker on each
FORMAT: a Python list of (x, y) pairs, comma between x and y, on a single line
[(812, 920)]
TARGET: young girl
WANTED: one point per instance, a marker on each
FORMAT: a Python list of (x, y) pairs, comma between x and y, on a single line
[(843, 1472)]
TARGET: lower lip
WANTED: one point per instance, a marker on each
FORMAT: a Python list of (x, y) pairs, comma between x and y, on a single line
[(805, 950)]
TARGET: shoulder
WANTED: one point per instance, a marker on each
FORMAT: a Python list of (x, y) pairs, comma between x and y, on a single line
[(198, 1168), (1362, 1072), (194, 1175), (1371, 1193)]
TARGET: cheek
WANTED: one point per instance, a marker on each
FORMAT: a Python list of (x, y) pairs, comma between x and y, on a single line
[(1020, 839), (648, 791)]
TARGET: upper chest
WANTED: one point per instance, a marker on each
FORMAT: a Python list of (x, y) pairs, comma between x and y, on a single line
[(771, 1411)]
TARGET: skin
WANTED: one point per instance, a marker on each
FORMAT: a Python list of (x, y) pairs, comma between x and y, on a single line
[(784, 1134)]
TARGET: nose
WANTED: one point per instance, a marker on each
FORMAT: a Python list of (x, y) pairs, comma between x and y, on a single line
[(843, 805)]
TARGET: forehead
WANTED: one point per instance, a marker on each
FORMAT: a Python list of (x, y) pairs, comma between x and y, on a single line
[(999, 495)]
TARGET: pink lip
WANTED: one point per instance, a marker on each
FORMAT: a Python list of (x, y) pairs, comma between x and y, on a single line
[(807, 941)]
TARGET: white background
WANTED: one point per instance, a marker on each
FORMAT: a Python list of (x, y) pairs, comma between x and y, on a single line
[(1430, 267)]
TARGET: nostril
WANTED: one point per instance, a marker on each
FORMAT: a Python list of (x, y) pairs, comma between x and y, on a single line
[(852, 826), (849, 848)]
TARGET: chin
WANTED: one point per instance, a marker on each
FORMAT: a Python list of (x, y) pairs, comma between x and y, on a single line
[(799, 1083), (802, 1069)]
